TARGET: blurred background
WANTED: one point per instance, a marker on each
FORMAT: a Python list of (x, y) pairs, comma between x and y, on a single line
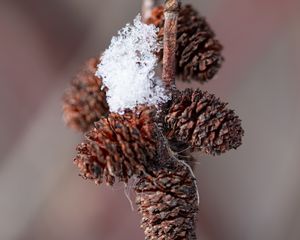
[(252, 193)]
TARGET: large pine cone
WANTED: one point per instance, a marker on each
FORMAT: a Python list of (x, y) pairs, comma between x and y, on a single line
[(167, 201), (119, 146), (198, 53), (84, 102), (204, 122)]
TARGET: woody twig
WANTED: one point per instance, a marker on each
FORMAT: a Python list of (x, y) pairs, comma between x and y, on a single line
[(170, 31)]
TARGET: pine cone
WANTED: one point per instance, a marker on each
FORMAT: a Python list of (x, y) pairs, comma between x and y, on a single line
[(118, 147), (167, 201), (204, 122), (84, 102), (198, 53)]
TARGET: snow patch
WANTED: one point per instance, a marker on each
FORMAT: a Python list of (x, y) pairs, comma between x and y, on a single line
[(127, 68)]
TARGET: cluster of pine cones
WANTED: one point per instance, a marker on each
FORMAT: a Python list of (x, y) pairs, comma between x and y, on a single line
[(138, 142)]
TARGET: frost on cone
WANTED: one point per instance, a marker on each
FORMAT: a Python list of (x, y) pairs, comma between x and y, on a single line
[(204, 122), (167, 201), (198, 53), (119, 146), (84, 102)]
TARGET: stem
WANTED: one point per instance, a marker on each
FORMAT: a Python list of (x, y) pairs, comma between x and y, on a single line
[(147, 8), (170, 186), (170, 33)]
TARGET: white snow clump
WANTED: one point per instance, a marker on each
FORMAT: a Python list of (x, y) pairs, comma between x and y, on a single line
[(127, 68)]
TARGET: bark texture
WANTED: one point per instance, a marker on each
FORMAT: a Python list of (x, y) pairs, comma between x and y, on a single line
[(169, 41)]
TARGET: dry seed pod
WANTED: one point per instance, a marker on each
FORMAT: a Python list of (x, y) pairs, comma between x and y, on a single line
[(118, 147), (198, 53), (167, 201), (204, 122), (84, 102)]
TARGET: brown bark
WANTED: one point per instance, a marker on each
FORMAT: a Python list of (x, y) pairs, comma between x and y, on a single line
[(170, 31)]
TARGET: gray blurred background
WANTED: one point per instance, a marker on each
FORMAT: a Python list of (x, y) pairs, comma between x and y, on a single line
[(249, 194)]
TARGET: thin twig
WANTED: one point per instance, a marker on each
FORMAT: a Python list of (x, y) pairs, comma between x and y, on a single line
[(170, 32)]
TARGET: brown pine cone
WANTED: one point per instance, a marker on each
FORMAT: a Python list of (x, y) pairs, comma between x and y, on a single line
[(204, 122), (84, 102), (167, 201), (118, 147), (198, 53)]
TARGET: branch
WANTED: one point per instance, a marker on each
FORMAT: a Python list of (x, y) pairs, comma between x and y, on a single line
[(170, 32)]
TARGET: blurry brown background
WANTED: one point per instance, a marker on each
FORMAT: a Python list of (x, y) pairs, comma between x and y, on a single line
[(249, 194)]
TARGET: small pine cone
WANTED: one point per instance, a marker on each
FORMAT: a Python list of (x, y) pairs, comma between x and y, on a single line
[(167, 200), (198, 53), (84, 102), (204, 122), (118, 147)]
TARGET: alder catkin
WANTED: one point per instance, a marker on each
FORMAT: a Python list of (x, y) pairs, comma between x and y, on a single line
[(120, 146), (198, 53), (202, 121), (84, 101), (167, 200)]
